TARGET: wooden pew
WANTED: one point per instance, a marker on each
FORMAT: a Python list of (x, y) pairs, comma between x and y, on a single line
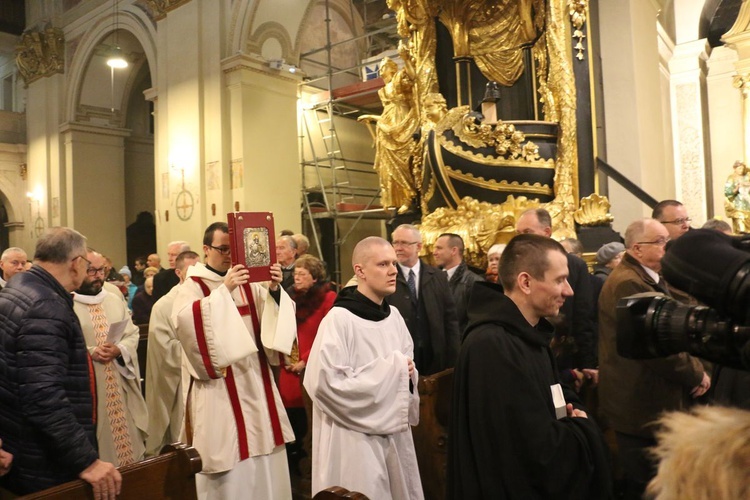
[(171, 475), (431, 435)]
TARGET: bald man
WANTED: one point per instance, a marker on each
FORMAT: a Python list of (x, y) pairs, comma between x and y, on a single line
[(362, 380)]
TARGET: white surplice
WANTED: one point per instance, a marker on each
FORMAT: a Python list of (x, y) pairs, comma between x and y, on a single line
[(229, 389), (163, 377), (127, 374), (357, 377)]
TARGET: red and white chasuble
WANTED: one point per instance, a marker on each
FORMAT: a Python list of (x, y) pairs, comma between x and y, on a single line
[(233, 407)]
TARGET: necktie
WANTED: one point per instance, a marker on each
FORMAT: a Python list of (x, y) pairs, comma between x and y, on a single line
[(412, 282)]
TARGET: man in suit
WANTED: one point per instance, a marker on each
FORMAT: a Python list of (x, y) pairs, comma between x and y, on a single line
[(448, 252), (424, 300), (167, 278)]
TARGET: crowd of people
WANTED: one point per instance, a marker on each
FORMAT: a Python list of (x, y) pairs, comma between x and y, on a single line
[(230, 364)]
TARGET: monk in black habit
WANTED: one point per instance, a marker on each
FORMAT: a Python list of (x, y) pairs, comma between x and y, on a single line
[(515, 432)]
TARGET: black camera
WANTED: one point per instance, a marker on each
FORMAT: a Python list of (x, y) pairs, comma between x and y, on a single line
[(715, 269)]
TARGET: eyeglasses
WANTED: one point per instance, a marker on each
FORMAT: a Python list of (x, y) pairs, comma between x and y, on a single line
[(404, 243), (221, 250), (93, 271), (659, 242), (679, 222), (87, 261)]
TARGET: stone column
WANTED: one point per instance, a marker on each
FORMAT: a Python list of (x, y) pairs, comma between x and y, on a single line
[(690, 128)]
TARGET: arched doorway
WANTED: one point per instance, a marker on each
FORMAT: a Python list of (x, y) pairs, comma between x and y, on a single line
[(110, 146)]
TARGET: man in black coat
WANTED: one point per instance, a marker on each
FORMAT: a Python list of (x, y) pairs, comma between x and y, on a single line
[(166, 279), (46, 411), (515, 432), (425, 302), (578, 314), (448, 252)]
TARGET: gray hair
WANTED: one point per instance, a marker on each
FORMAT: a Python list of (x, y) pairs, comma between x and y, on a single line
[(411, 227), (59, 244), (11, 250), (290, 240), (496, 248), (184, 245)]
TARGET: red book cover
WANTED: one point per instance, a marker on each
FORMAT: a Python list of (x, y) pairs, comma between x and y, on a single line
[(253, 242)]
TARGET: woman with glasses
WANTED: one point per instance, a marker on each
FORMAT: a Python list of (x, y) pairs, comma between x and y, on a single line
[(313, 297)]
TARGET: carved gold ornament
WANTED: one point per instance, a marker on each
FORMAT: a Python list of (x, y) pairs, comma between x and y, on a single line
[(741, 82), (40, 54), (594, 211), (480, 224), (577, 11), (159, 8)]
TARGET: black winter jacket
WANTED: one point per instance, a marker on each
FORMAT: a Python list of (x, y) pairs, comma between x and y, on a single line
[(46, 410)]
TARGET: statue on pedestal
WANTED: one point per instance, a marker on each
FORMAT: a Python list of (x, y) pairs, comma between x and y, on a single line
[(737, 197)]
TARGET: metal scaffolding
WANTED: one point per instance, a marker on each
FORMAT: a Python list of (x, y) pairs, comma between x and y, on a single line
[(335, 186)]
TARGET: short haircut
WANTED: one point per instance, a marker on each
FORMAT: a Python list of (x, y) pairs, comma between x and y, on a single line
[(717, 225), (208, 235), (290, 240), (635, 231), (542, 215), (362, 249), (302, 241), (575, 245), (184, 245), (414, 230), (59, 244), (150, 269), (313, 265), (658, 210), (526, 253), (142, 260), (11, 250), (286, 232), (454, 241), (179, 262)]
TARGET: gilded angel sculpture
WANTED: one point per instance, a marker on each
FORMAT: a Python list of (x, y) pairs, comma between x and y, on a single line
[(737, 197), (395, 134)]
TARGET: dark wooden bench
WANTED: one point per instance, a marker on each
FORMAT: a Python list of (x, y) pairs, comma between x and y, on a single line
[(431, 435), (171, 475)]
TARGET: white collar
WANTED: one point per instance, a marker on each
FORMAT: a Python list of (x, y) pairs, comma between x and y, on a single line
[(654, 275), (91, 299), (407, 269), (201, 271)]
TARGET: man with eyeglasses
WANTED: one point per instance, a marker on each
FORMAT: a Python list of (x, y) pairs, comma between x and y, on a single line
[(424, 300), (674, 216), (46, 403), (112, 341), (633, 393), (12, 261), (231, 331)]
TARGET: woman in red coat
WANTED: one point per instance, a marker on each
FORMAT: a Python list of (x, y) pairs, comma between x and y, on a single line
[(314, 298)]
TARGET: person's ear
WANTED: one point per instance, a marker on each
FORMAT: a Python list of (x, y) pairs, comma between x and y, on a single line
[(523, 282)]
